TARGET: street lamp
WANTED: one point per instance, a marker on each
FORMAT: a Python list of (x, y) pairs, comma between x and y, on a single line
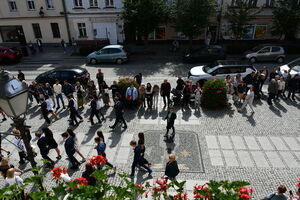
[(13, 101)]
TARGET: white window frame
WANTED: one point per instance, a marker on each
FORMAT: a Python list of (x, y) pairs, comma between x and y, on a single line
[(93, 3), (82, 30), (50, 4), (12, 6), (109, 3), (78, 4), (30, 4)]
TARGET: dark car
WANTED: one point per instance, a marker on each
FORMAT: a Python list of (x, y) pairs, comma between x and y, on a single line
[(10, 54), (205, 54), (72, 75)]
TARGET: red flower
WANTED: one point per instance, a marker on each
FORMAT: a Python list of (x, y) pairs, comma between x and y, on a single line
[(180, 196), (97, 160), (57, 171), (139, 185), (80, 181), (161, 181), (245, 196)]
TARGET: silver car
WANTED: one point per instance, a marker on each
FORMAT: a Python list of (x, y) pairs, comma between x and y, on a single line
[(265, 53), (110, 53)]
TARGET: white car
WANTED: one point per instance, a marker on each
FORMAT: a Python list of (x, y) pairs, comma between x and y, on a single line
[(219, 69), (294, 66)]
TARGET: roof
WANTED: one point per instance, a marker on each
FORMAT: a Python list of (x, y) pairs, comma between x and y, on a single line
[(113, 46), (233, 63), (68, 69)]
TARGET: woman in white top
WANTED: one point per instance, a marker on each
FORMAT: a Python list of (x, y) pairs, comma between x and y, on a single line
[(281, 87), (198, 92), (248, 100), (50, 106), (11, 178)]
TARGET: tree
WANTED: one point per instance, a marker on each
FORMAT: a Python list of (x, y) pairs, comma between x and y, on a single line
[(286, 18), (239, 16), (192, 16), (144, 15)]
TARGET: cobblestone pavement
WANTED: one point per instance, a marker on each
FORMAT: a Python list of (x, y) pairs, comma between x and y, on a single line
[(263, 148)]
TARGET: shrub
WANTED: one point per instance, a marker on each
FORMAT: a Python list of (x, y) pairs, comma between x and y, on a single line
[(214, 94), (124, 83)]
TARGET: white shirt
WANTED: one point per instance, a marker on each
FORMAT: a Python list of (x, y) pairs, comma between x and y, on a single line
[(250, 95), (49, 104), (57, 88), (19, 144), (16, 179), (281, 85)]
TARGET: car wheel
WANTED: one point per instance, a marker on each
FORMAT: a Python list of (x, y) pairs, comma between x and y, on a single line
[(252, 60), (93, 61), (119, 61), (280, 60)]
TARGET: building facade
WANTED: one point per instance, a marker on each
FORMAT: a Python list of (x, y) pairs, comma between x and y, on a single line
[(30, 20), (96, 20)]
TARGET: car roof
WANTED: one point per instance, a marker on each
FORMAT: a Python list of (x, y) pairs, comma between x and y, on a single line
[(113, 46), (232, 63), (268, 45), (76, 69)]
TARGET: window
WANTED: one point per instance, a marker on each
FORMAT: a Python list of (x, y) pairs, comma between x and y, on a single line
[(77, 3), (265, 50), (12, 5), (114, 51), (37, 31), (50, 4), (104, 51), (93, 3), (67, 75), (222, 70), (82, 30), (30, 4), (109, 3), (236, 70), (55, 30), (270, 3), (275, 49)]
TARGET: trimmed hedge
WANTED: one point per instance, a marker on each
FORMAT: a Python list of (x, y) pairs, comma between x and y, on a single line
[(214, 94)]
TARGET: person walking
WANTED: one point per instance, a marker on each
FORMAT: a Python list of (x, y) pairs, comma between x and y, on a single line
[(263, 77), (142, 95), (18, 142), (40, 91), (63, 45), (272, 89), (50, 107), (40, 45), (105, 94), (187, 91), (72, 105), (292, 87), (119, 110), (149, 95), (49, 91), (171, 116), (197, 92), (80, 94), (180, 84), (70, 150), (141, 142), (165, 90), (248, 100), (114, 88), (58, 93), (44, 149), (76, 145), (172, 169), (100, 79), (155, 95), (100, 147), (91, 89), (95, 107), (21, 75), (87, 174), (67, 88), (32, 92), (44, 109), (50, 141), (137, 159)]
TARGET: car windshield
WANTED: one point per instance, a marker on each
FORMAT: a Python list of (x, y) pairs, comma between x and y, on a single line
[(257, 48), (295, 65), (210, 68)]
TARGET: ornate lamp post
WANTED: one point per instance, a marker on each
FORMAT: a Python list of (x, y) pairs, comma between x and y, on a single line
[(13, 101)]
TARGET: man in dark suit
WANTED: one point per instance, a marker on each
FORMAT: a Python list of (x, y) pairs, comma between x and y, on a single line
[(42, 144), (70, 150), (119, 110), (67, 88), (44, 110), (165, 90), (94, 110), (137, 159), (171, 116), (72, 105)]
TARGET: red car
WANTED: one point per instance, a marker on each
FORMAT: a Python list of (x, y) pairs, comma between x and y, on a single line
[(9, 54)]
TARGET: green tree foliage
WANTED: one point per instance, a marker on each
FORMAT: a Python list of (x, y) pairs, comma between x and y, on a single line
[(144, 15), (239, 16), (192, 16), (286, 18)]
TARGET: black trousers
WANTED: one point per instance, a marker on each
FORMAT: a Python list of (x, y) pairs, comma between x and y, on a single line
[(46, 157), (73, 160), (134, 164), (270, 97), (170, 126), (168, 98), (119, 119), (94, 113), (149, 102), (45, 115), (22, 156), (73, 115), (291, 92)]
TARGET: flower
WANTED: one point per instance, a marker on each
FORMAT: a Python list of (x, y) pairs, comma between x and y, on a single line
[(245, 196), (180, 196), (80, 181), (161, 181), (57, 171), (97, 160)]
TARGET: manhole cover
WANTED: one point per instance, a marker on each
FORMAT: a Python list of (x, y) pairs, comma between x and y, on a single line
[(185, 147)]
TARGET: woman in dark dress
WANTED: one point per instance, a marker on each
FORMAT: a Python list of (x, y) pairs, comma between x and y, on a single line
[(52, 144), (172, 168), (141, 142)]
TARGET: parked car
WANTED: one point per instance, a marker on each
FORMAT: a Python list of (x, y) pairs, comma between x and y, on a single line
[(110, 53), (204, 54), (219, 69), (72, 75), (265, 53), (294, 66), (10, 54)]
